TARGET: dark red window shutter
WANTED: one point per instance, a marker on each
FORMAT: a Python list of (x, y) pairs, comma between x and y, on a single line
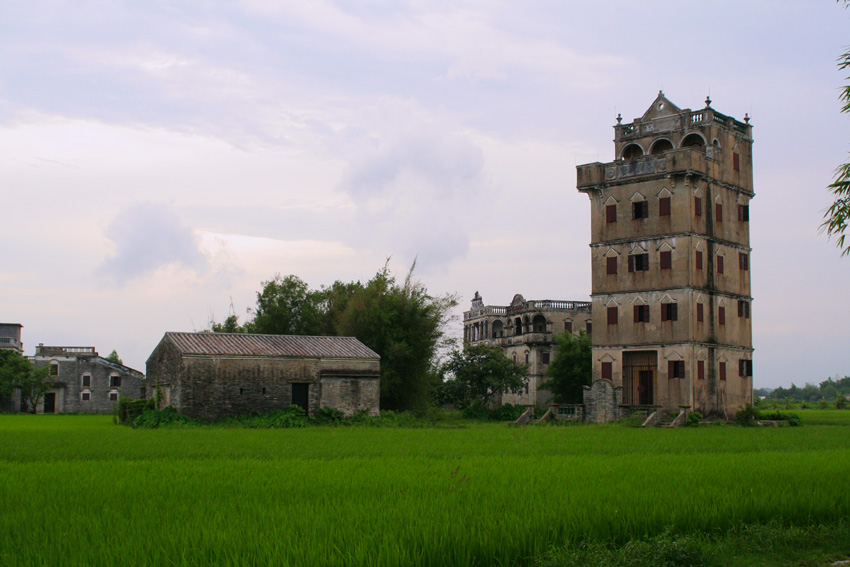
[(644, 209), (722, 370), (699, 313), (698, 206), (665, 311), (743, 213), (718, 212), (631, 262), (612, 315), (700, 370), (612, 264), (699, 259), (664, 207), (607, 371), (743, 261), (721, 315), (736, 162), (720, 264), (637, 313), (673, 311), (611, 213), (666, 260), (671, 369)]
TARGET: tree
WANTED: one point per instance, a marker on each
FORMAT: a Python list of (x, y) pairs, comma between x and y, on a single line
[(113, 357), (405, 326), (837, 215), (570, 369), (480, 372), (287, 306), (18, 372)]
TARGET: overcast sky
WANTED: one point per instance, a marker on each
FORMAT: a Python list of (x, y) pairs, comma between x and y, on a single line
[(159, 160)]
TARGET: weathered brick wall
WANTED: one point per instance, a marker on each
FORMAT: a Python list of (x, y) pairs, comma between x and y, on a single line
[(351, 395)]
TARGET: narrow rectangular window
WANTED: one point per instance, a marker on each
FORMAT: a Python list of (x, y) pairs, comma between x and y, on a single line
[(721, 315), (743, 309), (744, 213), (611, 265), (721, 368), (666, 260), (589, 326), (718, 212), (641, 313), (612, 315), (700, 370), (640, 209), (607, 371), (698, 206), (699, 259), (545, 358), (568, 326), (743, 261), (86, 381), (611, 213), (720, 264), (700, 316), (736, 161), (664, 207), (54, 370)]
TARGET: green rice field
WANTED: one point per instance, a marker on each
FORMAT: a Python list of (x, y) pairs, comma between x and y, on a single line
[(78, 490)]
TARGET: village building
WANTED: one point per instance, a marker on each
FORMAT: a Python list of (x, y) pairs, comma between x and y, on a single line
[(84, 381), (670, 248), (525, 331), (10, 337), (216, 375)]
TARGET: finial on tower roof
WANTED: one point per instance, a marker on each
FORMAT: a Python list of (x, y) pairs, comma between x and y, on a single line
[(660, 92), (747, 118), (619, 118), (707, 101)]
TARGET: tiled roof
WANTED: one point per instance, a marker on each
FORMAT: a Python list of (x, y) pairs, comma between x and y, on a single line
[(294, 346)]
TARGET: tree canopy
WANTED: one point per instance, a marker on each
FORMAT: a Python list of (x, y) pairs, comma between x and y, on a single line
[(478, 373), (18, 372), (400, 321), (113, 357), (570, 369)]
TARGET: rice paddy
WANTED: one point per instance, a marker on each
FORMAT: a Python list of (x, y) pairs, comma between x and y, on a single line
[(78, 490)]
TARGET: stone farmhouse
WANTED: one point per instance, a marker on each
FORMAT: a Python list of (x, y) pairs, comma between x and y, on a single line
[(671, 256), (525, 331), (217, 375), (84, 381)]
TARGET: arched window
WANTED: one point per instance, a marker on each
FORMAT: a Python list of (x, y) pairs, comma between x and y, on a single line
[(660, 146), (498, 329), (518, 325), (693, 141), (632, 151), (538, 324)]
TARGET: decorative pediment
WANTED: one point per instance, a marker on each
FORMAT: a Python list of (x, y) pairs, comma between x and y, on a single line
[(665, 247), (610, 201), (611, 253), (638, 249), (607, 358), (659, 108), (612, 303), (517, 300), (638, 301), (664, 193), (674, 356), (637, 197)]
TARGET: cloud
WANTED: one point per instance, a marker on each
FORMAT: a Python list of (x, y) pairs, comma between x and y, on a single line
[(148, 236)]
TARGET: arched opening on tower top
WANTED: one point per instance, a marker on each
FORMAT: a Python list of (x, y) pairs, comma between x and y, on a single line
[(660, 146), (693, 141), (632, 151)]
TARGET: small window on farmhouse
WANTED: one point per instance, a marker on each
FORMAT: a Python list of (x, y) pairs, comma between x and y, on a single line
[(641, 313), (113, 396), (700, 370), (640, 210), (545, 357), (675, 368), (744, 213), (743, 261), (526, 358), (589, 326), (568, 326), (264, 391), (611, 213), (669, 312), (666, 260), (241, 391), (612, 315), (721, 315), (745, 368), (607, 370), (664, 207), (611, 263), (85, 396), (638, 262), (114, 381), (698, 206), (54, 370), (86, 380)]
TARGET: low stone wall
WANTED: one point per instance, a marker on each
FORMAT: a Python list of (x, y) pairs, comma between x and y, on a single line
[(602, 401)]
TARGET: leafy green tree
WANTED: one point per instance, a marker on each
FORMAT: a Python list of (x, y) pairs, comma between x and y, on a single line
[(570, 369), (837, 215), (18, 372), (287, 306), (230, 325), (478, 373), (113, 357), (405, 325)]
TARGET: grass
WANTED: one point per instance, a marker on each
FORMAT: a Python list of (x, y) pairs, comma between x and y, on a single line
[(79, 490)]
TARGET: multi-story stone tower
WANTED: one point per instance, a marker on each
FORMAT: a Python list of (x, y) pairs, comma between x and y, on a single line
[(670, 248)]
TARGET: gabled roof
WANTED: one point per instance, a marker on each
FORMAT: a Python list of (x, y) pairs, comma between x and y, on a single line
[(271, 346), (661, 106)]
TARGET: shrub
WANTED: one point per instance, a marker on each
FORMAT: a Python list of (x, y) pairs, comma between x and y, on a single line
[(693, 419), (747, 415), (131, 408), (507, 412), (329, 415), (166, 417)]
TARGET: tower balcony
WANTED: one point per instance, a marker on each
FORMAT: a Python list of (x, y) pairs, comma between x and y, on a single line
[(683, 161)]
